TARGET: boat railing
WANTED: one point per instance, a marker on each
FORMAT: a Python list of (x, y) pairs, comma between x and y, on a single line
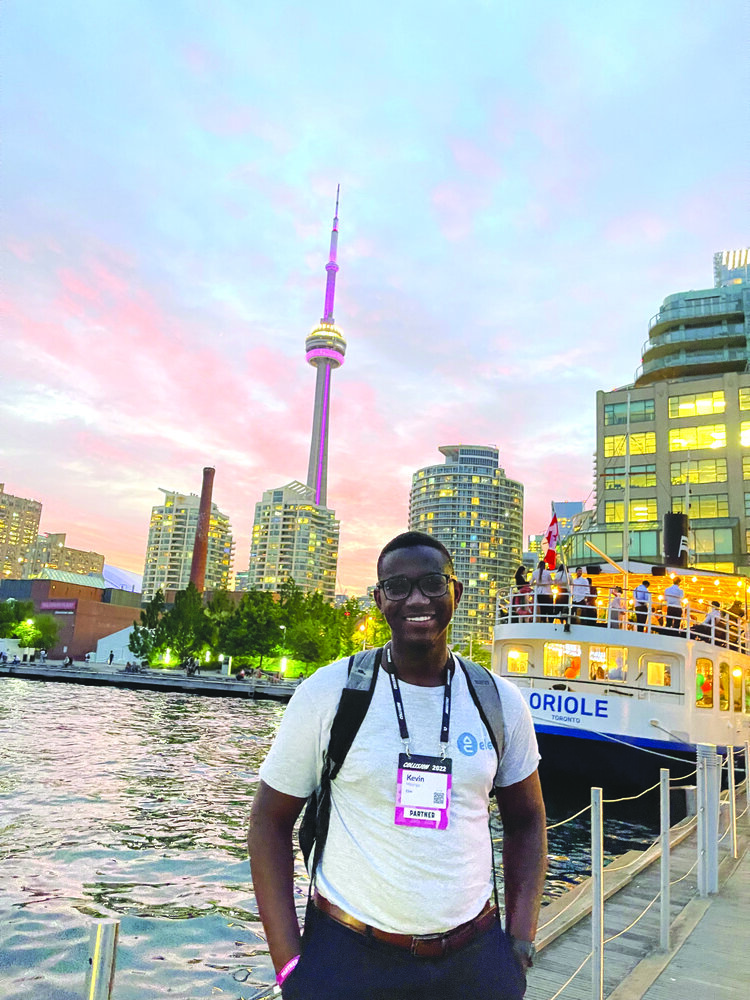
[(618, 608)]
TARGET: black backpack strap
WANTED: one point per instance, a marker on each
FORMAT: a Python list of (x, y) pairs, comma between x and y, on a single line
[(486, 697), (352, 709), (353, 705)]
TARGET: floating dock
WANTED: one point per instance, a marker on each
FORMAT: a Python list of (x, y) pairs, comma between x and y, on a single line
[(102, 675)]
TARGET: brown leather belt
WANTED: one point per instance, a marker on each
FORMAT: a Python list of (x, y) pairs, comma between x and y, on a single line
[(421, 945)]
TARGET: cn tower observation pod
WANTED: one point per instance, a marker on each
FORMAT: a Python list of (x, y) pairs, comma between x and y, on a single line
[(325, 343)]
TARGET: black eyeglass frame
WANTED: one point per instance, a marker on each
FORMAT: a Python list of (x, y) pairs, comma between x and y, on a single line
[(447, 577)]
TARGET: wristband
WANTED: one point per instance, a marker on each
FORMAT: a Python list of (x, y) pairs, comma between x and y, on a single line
[(290, 966)]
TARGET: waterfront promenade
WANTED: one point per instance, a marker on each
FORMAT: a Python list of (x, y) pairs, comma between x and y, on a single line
[(104, 675)]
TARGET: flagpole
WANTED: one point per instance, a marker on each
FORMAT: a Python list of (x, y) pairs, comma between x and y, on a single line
[(626, 507)]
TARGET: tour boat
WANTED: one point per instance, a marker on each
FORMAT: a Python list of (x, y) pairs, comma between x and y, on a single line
[(611, 704)]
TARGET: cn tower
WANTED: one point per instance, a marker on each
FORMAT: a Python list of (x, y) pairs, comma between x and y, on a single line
[(325, 349)]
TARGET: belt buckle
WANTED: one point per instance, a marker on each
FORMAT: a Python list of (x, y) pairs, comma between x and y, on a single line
[(427, 938)]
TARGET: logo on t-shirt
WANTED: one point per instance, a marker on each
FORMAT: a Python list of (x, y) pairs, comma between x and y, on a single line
[(468, 744)]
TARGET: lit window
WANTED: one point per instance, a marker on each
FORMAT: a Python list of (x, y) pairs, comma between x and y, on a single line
[(518, 661), (697, 404), (703, 436), (640, 444)]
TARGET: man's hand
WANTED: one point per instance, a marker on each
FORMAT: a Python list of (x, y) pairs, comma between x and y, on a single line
[(269, 842), (524, 855)]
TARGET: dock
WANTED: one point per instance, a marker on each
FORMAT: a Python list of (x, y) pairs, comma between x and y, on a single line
[(706, 957), (102, 675)]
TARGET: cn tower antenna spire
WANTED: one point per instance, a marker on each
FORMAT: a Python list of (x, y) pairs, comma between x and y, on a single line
[(332, 267), (325, 348)]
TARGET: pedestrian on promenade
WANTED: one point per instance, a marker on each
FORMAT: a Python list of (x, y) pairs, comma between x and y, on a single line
[(402, 901), (111, 657)]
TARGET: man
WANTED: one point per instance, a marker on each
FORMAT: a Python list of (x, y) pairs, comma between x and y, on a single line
[(642, 598), (579, 593), (713, 626), (399, 909), (673, 595)]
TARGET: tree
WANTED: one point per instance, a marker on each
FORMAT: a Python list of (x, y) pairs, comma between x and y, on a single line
[(183, 628), (291, 603), (350, 615), (309, 641), (253, 628), (142, 640), (11, 613), (38, 632)]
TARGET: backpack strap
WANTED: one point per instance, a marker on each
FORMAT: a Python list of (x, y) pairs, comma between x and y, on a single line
[(353, 705), (486, 697), (352, 709)]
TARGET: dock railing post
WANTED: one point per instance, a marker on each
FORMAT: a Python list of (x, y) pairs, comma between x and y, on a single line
[(100, 975), (597, 901), (732, 800), (747, 773), (665, 859), (700, 809), (713, 790)]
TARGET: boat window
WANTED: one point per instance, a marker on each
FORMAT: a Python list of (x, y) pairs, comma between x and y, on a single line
[(737, 689), (562, 659), (724, 687), (517, 661), (607, 663), (704, 683), (658, 673)]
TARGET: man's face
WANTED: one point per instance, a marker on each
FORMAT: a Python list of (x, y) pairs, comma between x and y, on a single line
[(417, 619)]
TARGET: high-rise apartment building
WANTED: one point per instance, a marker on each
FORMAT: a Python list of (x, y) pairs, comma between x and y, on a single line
[(678, 437), (50, 552), (470, 505), (19, 527), (293, 537), (171, 538), (295, 533)]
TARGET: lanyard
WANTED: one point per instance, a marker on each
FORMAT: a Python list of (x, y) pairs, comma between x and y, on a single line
[(401, 715)]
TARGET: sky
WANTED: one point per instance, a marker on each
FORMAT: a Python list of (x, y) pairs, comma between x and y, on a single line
[(521, 186)]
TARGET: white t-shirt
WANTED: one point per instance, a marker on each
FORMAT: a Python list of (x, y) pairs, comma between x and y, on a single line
[(401, 879), (580, 588)]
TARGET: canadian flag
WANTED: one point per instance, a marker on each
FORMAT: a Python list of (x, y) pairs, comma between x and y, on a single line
[(549, 543)]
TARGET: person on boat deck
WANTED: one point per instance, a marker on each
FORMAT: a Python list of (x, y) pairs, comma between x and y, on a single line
[(400, 909), (520, 600), (673, 595), (541, 581), (580, 589), (642, 599), (616, 614), (562, 597), (713, 625), (734, 615)]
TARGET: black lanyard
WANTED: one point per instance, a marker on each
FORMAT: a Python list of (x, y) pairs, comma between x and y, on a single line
[(401, 715)]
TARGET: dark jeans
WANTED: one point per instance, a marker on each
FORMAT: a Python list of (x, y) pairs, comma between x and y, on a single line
[(339, 964), (641, 616)]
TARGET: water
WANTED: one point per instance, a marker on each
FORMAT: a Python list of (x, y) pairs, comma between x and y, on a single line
[(133, 805)]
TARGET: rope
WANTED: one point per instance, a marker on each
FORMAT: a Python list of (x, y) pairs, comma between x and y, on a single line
[(631, 798), (570, 818), (683, 877), (682, 777), (567, 982), (560, 912), (630, 926), (621, 868)]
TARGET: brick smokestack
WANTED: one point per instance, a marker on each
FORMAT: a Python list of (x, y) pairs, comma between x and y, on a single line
[(200, 548)]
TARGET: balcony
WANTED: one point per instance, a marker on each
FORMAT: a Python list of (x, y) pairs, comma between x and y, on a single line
[(683, 363), (717, 307)]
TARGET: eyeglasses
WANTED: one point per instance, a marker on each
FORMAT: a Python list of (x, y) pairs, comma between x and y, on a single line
[(398, 588)]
